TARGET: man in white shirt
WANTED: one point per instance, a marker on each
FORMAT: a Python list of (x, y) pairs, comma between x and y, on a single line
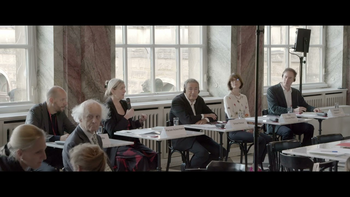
[(191, 109), (282, 96)]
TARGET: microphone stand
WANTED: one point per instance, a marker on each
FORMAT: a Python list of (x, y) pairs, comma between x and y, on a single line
[(301, 60), (256, 129)]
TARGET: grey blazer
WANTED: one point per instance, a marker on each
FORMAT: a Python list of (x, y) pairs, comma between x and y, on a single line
[(277, 103), (37, 116), (76, 137)]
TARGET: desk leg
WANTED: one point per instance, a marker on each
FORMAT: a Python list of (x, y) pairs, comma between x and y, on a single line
[(319, 126), (273, 133), (221, 147), (159, 166)]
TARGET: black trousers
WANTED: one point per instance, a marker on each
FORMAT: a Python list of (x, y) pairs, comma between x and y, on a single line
[(249, 137), (287, 131), (204, 150)]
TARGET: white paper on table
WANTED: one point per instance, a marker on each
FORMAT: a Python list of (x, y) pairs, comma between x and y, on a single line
[(237, 124), (105, 139), (288, 118), (172, 131), (335, 112)]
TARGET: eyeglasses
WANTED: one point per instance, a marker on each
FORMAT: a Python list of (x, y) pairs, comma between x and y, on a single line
[(235, 79)]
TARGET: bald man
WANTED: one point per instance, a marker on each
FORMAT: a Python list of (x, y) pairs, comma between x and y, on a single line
[(50, 117)]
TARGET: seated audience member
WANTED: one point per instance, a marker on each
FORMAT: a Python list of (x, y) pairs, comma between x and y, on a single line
[(88, 157), (236, 106), (89, 115), (50, 117), (25, 150), (279, 98), (135, 157), (191, 109)]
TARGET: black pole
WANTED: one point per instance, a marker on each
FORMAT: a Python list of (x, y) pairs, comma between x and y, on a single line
[(256, 130)]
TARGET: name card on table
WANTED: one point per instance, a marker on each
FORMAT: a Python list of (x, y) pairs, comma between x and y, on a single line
[(105, 139), (335, 112), (288, 118), (237, 124), (172, 131)]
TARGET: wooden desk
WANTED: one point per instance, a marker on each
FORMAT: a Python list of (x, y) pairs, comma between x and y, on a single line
[(318, 118), (151, 134), (265, 119), (211, 127), (323, 151)]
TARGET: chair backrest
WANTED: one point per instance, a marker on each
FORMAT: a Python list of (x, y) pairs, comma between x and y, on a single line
[(275, 147), (295, 163), (225, 166), (326, 138)]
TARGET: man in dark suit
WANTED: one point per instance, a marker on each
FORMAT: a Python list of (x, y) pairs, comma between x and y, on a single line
[(191, 109), (50, 117), (89, 115), (282, 96)]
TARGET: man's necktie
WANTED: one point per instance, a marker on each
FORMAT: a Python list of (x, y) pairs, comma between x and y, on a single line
[(94, 138)]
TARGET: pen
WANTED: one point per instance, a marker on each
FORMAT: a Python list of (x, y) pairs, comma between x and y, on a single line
[(330, 151)]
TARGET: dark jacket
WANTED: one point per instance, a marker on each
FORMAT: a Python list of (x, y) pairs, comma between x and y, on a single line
[(277, 103), (38, 116), (180, 107), (116, 122), (9, 164)]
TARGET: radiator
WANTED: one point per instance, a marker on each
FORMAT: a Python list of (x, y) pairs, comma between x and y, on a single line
[(326, 99), (8, 127)]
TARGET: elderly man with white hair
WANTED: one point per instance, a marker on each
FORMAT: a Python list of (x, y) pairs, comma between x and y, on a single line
[(89, 115)]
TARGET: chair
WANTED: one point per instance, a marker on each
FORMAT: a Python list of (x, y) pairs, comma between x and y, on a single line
[(184, 154), (300, 163), (243, 146), (276, 147), (326, 138), (217, 166)]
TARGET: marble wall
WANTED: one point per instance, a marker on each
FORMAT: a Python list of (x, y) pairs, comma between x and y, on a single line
[(81, 58)]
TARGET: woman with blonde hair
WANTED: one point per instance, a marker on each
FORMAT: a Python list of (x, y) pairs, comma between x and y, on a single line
[(26, 149), (135, 157), (88, 157)]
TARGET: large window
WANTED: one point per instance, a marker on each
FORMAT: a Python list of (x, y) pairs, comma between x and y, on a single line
[(158, 59), (16, 59), (279, 54)]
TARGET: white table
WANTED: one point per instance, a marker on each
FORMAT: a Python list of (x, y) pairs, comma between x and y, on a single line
[(114, 143), (154, 134), (212, 127), (265, 119), (323, 151), (319, 118)]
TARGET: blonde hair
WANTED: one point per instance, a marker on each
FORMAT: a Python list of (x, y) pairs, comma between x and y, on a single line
[(23, 137), (90, 157), (112, 84), (80, 110)]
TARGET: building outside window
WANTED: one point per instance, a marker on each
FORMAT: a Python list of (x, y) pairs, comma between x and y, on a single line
[(154, 60), (279, 54), (16, 63)]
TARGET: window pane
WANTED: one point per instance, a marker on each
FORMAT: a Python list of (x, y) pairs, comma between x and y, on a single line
[(190, 35), (13, 35), (139, 34), (165, 69), (190, 65), (13, 75), (119, 68), (295, 64), (118, 35), (316, 32), (278, 64), (278, 35), (265, 68), (165, 34), (139, 69), (312, 69)]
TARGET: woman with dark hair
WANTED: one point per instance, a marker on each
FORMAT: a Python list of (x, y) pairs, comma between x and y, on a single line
[(236, 106)]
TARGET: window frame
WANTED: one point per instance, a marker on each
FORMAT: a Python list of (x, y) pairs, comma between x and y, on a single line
[(9, 107), (322, 46), (165, 95)]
